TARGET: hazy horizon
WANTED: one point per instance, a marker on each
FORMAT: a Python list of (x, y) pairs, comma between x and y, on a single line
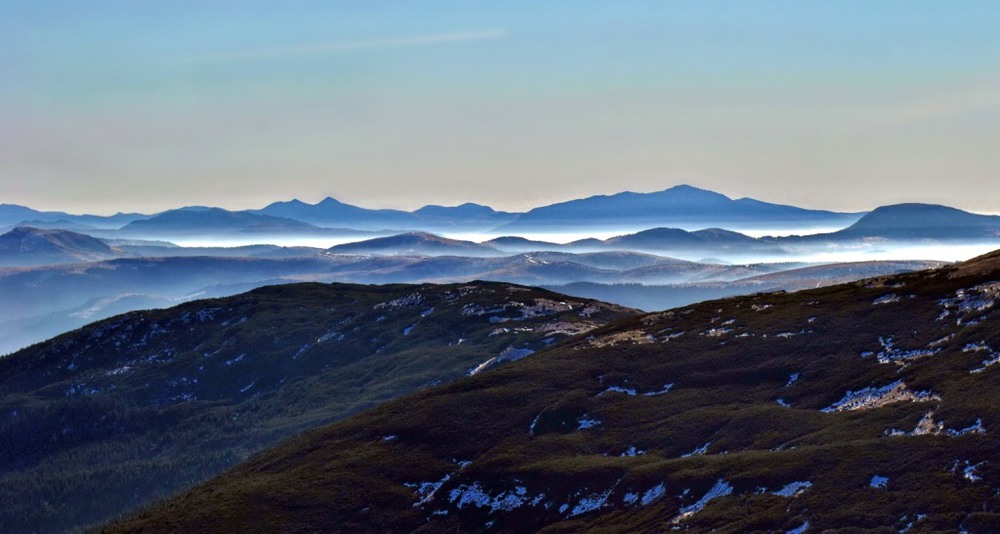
[(122, 106), (777, 231)]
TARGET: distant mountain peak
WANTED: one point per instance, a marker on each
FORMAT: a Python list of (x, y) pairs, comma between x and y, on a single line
[(330, 201), (692, 191), (25, 231), (682, 206), (26, 245), (916, 220)]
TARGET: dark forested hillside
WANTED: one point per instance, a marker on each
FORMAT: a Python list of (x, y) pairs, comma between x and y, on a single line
[(869, 405), (139, 406)]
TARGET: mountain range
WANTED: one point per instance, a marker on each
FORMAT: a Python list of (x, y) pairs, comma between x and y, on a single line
[(333, 213), (14, 215), (681, 216), (681, 206), (153, 402), (867, 406), (43, 301)]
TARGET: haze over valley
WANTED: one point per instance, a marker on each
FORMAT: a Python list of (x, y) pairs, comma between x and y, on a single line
[(499, 267), (59, 271)]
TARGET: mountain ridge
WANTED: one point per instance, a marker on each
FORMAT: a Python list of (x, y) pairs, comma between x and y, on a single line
[(867, 405), (140, 405), (617, 210), (26, 245), (678, 205)]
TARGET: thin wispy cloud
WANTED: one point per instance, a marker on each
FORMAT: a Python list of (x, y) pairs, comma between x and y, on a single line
[(351, 46)]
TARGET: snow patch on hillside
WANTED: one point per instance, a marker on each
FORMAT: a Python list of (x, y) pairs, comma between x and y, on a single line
[(793, 489), (720, 489), (892, 354), (699, 451), (968, 470), (879, 482), (653, 494), (992, 359), (632, 451), (872, 397), (788, 335), (630, 337), (402, 302), (425, 490), (590, 503), (586, 422), (482, 367), (891, 298), (717, 332), (967, 302), (665, 389), (475, 495), (927, 426), (799, 529)]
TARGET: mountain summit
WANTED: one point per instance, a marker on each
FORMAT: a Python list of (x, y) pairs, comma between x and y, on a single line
[(25, 245), (682, 206), (924, 221)]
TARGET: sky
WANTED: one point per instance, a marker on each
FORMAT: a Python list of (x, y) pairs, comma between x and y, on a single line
[(128, 105)]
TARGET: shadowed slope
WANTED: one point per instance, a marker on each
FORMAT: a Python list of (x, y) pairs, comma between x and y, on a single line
[(868, 405), (141, 405)]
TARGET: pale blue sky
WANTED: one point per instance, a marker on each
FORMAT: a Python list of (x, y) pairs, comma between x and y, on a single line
[(146, 105)]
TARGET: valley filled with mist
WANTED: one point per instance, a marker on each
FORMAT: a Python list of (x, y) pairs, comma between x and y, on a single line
[(650, 251)]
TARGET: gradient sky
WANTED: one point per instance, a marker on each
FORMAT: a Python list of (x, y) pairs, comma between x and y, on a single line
[(147, 105)]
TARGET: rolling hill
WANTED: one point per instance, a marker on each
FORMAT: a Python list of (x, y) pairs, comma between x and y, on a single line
[(139, 406), (868, 406), (214, 221), (466, 216), (711, 241), (15, 215), (41, 302), (651, 296), (415, 244), (923, 221), (35, 246), (663, 241)]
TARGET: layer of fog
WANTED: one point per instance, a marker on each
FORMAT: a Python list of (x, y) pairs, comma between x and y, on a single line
[(559, 237), (874, 251)]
